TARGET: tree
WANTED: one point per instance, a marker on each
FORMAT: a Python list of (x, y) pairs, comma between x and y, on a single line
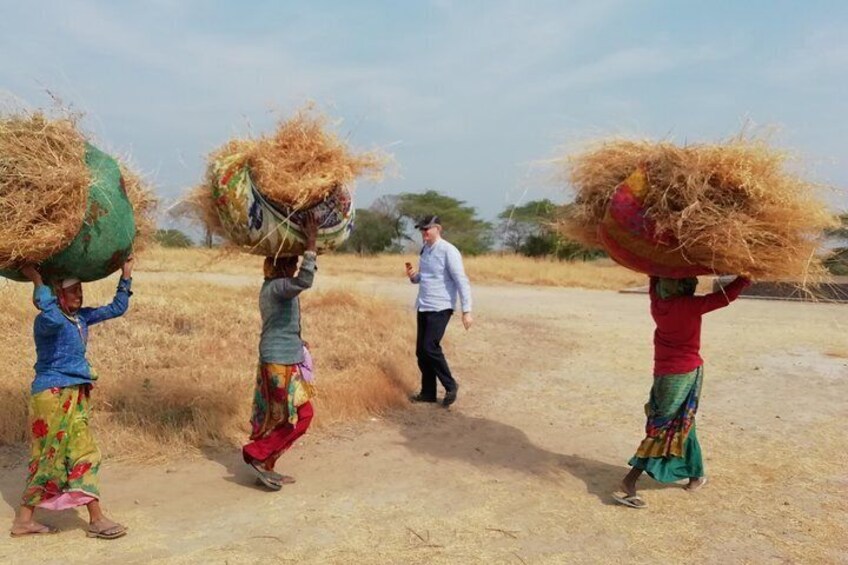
[(387, 206), (840, 233), (470, 234), (519, 223), (373, 232), (189, 209), (531, 230), (172, 238), (837, 261)]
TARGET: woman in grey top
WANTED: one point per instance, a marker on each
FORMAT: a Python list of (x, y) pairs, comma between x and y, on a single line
[(282, 410)]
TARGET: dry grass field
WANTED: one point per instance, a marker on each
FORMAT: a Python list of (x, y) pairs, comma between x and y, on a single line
[(520, 470), (176, 371), (486, 269)]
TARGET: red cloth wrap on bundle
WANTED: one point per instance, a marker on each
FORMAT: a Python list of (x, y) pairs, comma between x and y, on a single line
[(631, 239)]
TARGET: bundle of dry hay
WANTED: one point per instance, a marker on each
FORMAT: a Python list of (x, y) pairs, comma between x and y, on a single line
[(733, 207), (296, 167), (44, 185), (303, 162), (144, 204)]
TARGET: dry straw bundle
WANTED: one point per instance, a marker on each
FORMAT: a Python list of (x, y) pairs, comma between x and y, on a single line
[(302, 165), (44, 188), (732, 207), (303, 162), (144, 204)]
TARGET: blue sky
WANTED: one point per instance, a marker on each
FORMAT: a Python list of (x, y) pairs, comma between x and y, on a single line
[(469, 96)]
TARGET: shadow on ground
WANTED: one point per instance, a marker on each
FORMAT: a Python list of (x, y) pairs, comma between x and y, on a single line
[(238, 472), (449, 434), (12, 487)]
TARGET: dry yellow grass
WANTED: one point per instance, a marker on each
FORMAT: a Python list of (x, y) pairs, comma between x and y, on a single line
[(303, 161), (176, 372), (43, 186), (602, 275)]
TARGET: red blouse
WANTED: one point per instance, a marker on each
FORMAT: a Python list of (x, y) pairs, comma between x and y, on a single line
[(677, 339)]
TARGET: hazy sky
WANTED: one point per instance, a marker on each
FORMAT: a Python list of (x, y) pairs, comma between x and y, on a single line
[(468, 96)]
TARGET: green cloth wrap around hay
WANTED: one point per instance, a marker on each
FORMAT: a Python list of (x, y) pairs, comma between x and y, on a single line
[(105, 239)]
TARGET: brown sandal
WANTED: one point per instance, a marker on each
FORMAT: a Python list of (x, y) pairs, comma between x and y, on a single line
[(106, 529)]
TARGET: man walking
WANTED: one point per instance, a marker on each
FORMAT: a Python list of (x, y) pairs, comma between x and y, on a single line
[(440, 277)]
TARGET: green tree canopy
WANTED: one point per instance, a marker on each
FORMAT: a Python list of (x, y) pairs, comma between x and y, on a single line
[(373, 232), (840, 233), (837, 261), (172, 238), (518, 223), (461, 225), (530, 229)]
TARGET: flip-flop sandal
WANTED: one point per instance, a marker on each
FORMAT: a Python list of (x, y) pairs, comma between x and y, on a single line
[(112, 531), (267, 482), (281, 479), (632, 501), (265, 476), (38, 530)]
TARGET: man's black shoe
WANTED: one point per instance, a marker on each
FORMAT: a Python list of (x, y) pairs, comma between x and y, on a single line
[(450, 397), (421, 398)]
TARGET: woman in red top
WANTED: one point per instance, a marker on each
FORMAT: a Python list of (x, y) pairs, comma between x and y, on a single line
[(670, 451)]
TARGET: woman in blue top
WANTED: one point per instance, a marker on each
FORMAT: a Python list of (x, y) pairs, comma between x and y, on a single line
[(64, 459)]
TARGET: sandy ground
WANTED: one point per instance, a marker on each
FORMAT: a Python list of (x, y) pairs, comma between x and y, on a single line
[(521, 469)]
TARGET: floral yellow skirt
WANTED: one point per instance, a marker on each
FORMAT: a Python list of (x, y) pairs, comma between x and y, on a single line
[(64, 459)]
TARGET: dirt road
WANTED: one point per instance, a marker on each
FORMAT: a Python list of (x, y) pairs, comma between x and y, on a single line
[(521, 468)]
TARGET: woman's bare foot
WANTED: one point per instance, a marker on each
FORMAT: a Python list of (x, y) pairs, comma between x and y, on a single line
[(695, 483), (20, 529)]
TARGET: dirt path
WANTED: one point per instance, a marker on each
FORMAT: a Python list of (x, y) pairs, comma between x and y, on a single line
[(520, 469)]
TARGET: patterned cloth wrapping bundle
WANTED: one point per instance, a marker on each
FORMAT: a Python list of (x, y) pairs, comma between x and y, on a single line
[(251, 220), (630, 237)]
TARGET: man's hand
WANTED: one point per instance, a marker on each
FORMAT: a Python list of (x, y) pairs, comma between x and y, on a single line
[(310, 229), (127, 268), (410, 272), (467, 320), (31, 272)]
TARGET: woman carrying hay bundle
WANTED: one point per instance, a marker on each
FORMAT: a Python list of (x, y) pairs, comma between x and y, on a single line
[(670, 451), (282, 410), (683, 211), (65, 460)]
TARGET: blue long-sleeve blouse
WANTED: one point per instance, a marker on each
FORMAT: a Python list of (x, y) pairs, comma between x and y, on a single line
[(60, 340)]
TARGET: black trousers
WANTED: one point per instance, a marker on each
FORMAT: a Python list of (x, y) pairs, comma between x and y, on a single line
[(428, 349)]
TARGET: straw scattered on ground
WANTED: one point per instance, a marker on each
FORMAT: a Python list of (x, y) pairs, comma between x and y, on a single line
[(43, 186), (734, 207)]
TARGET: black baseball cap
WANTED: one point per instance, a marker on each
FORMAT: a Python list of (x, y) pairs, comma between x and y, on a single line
[(428, 222)]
